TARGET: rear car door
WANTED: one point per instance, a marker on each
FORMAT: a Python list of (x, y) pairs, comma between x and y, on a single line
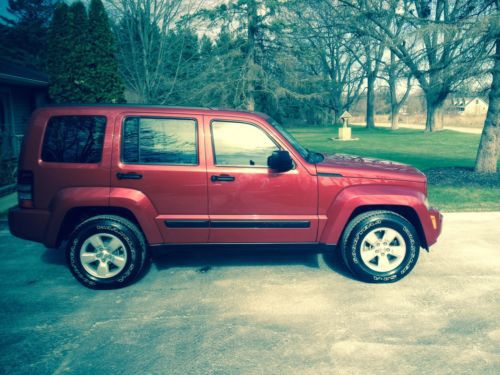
[(163, 157)]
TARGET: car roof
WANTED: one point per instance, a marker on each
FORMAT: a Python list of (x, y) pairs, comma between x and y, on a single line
[(181, 109)]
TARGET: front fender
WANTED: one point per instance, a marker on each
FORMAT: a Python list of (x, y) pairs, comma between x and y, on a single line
[(341, 209)]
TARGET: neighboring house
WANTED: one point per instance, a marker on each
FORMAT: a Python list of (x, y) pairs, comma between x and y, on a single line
[(21, 91), (467, 106)]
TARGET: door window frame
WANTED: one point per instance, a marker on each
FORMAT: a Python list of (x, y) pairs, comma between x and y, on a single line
[(214, 157), (159, 117)]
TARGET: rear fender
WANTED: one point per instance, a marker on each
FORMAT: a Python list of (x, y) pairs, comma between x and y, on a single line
[(66, 199), (142, 208), (133, 200)]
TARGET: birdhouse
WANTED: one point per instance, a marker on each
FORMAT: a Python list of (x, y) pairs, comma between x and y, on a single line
[(345, 118), (345, 131)]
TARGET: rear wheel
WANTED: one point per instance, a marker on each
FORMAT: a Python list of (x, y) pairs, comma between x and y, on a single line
[(106, 252), (380, 246)]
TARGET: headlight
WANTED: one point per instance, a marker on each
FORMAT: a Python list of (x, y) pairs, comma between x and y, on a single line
[(426, 203)]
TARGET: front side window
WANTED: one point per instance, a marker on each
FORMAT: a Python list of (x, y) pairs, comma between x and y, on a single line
[(148, 140), (239, 144), (74, 139)]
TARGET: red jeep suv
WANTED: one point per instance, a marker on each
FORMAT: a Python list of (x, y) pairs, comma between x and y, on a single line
[(110, 182)]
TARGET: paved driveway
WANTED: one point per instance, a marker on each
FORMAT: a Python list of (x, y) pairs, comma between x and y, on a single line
[(253, 313)]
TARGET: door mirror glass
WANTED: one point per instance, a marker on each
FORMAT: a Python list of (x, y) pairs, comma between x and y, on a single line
[(280, 161)]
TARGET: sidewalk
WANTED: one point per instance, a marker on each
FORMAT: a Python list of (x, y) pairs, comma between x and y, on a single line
[(421, 127)]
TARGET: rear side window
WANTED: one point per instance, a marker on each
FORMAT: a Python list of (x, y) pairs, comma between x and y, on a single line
[(74, 139), (148, 140)]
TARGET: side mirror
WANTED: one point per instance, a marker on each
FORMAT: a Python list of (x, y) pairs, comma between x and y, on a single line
[(280, 161)]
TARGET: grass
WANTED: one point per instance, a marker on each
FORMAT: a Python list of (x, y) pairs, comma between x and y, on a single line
[(427, 152)]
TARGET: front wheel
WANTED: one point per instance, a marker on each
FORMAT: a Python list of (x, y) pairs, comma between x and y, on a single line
[(380, 246), (106, 252)]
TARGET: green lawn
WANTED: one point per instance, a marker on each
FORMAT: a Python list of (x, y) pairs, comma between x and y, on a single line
[(424, 151)]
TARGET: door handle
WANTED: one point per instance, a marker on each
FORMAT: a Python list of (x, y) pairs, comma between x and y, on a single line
[(128, 176), (222, 177)]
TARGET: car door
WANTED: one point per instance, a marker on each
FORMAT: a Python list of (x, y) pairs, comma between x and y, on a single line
[(248, 202), (163, 157)]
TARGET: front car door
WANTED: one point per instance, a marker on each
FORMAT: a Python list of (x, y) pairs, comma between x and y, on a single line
[(249, 203)]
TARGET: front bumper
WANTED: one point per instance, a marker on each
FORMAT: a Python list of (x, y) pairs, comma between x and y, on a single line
[(433, 227)]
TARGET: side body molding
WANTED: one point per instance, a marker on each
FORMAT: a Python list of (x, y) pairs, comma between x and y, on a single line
[(351, 198)]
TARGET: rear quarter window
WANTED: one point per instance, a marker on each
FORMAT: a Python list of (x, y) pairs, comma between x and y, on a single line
[(74, 139)]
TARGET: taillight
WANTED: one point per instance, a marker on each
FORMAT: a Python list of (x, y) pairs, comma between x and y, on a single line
[(25, 189)]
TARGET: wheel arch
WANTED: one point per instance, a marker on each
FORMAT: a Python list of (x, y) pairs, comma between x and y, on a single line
[(356, 200), (72, 204), (76, 215), (405, 211)]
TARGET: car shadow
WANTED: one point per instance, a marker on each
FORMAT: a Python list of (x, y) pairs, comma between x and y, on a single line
[(232, 256), (54, 256), (333, 259), (204, 258)]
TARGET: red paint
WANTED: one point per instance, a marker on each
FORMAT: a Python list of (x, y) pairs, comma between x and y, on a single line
[(325, 194)]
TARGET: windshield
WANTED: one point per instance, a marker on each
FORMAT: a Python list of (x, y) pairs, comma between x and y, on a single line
[(310, 156)]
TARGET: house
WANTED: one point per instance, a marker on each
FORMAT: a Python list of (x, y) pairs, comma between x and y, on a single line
[(21, 91), (468, 106)]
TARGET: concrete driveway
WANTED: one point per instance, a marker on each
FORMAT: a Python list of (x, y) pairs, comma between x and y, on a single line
[(253, 313)]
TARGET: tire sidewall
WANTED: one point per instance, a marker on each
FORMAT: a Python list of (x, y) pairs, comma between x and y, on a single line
[(353, 255), (104, 226)]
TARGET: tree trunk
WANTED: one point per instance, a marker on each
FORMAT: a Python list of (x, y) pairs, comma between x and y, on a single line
[(370, 102), (487, 153), (251, 33), (394, 97), (434, 119), (334, 116), (394, 118)]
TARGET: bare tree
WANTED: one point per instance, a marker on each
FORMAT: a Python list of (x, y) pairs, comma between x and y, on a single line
[(330, 54), (370, 60), (141, 30), (442, 51), (487, 153), (394, 73)]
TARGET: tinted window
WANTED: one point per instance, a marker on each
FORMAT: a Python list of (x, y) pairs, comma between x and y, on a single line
[(74, 139), (240, 144), (159, 141)]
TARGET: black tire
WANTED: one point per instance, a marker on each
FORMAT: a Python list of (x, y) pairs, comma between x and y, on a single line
[(131, 252), (358, 235)]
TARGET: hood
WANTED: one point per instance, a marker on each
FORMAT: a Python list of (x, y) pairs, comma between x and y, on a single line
[(357, 166)]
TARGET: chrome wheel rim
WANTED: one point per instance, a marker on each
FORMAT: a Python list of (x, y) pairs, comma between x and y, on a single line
[(103, 255), (383, 249)]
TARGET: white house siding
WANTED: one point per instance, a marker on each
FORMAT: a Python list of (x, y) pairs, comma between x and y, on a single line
[(476, 107)]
